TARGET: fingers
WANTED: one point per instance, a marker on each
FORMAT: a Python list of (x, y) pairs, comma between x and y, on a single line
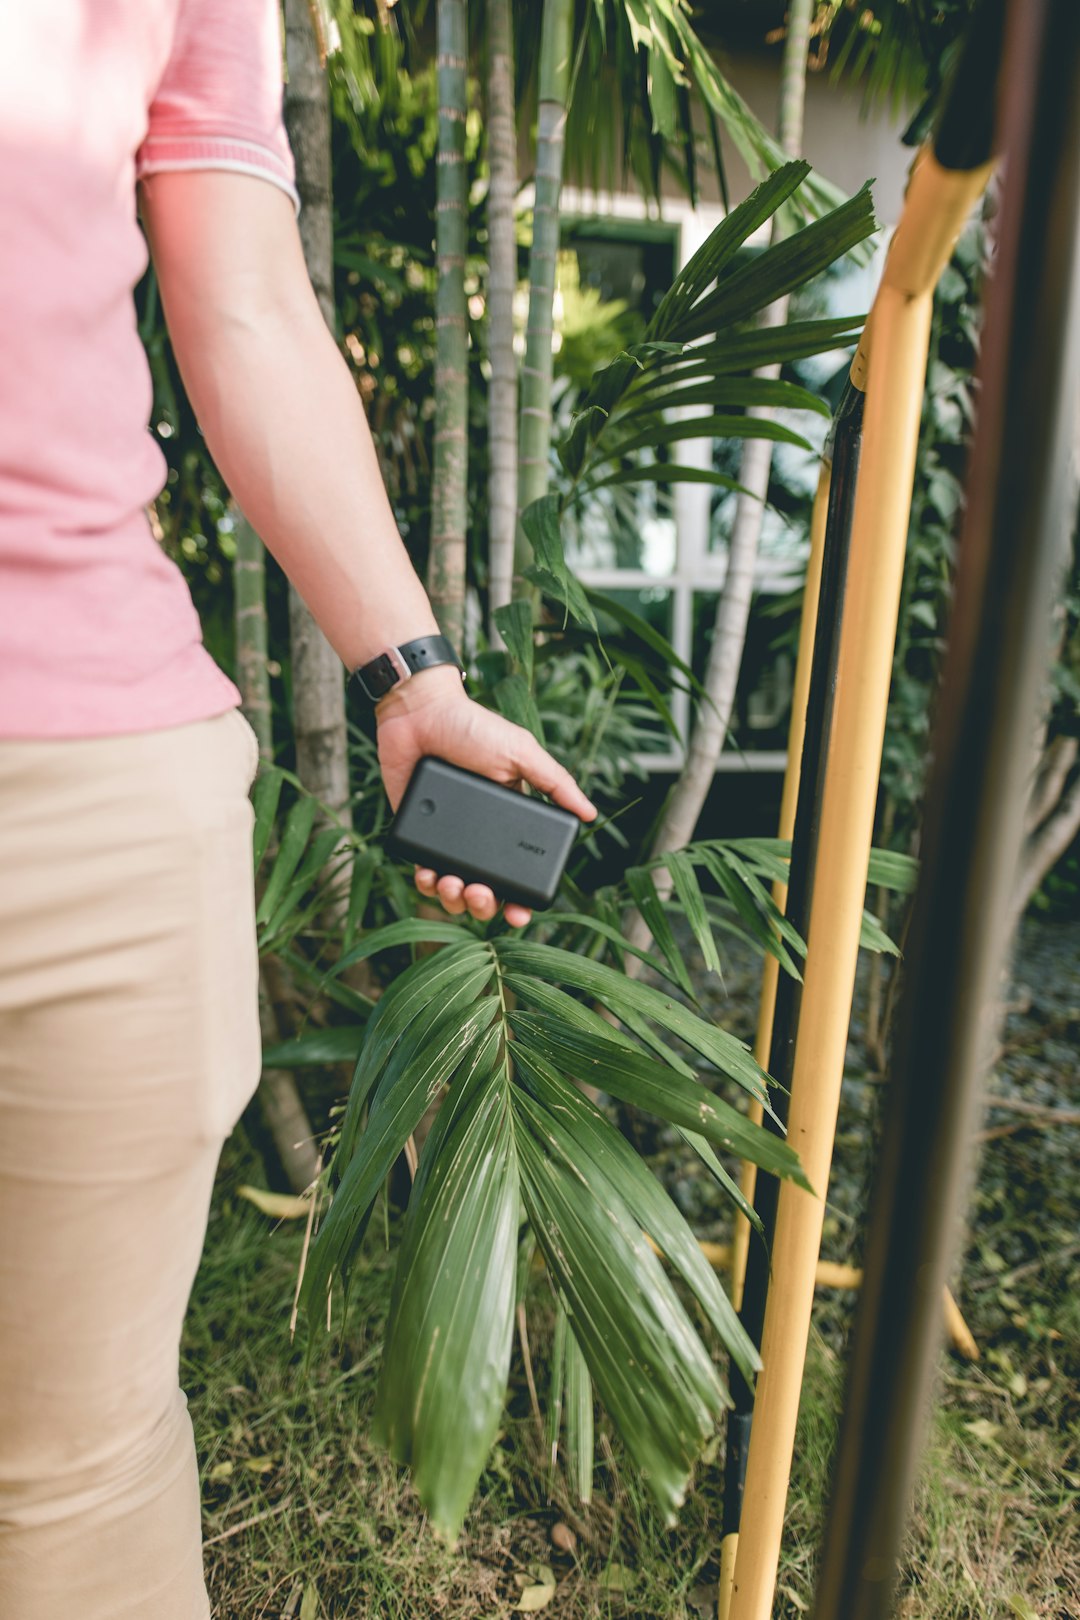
[(457, 898), (538, 768)]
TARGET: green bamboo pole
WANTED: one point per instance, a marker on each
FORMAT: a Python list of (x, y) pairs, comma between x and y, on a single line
[(446, 561), (502, 280), (535, 431)]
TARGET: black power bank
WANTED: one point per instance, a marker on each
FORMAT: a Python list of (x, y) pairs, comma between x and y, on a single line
[(462, 824)]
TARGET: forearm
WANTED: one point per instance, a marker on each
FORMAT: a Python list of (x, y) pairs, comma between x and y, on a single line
[(286, 427)]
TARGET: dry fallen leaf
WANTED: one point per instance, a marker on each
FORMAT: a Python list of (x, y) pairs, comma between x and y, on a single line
[(282, 1206), (618, 1578), (563, 1537), (539, 1595)]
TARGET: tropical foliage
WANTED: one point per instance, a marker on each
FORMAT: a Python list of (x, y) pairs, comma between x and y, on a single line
[(522, 1168), (511, 1027)]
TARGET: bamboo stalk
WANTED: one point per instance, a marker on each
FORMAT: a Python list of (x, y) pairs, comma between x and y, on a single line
[(502, 281), (785, 829), (446, 561), (536, 373)]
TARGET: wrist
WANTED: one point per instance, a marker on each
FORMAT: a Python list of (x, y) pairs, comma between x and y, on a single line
[(399, 663), (441, 684)]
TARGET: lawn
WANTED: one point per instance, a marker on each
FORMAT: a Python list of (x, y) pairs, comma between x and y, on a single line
[(303, 1518)]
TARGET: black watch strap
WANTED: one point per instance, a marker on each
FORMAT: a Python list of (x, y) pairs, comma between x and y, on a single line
[(395, 664)]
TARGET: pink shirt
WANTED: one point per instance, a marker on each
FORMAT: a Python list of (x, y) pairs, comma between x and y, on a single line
[(98, 633)]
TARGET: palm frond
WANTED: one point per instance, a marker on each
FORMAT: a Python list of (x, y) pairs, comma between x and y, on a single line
[(511, 1027)]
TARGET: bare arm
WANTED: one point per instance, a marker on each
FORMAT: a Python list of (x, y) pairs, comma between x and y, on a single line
[(286, 427)]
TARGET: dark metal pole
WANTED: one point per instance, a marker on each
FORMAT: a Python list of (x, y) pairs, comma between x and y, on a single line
[(1012, 546)]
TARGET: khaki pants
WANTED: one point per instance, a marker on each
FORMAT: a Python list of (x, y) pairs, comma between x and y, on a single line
[(129, 1045)]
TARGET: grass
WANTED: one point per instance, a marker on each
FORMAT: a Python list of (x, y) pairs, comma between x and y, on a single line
[(304, 1519)]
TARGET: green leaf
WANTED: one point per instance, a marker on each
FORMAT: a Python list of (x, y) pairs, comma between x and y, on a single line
[(644, 895), (742, 392), (637, 671), (617, 992), (741, 351), (264, 797), (611, 382), (667, 472), (294, 838), (654, 1087), (409, 931), (416, 1001), (514, 699), (720, 247), (688, 893), (558, 1381), (515, 624), (872, 937), (365, 864), (446, 1360), (608, 931), (650, 1368), (645, 632), (540, 521), (313, 865), (890, 870), (609, 1157), (584, 429), (579, 1421), (783, 267), (708, 1158), (397, 1110), (336, 1045), (548, 998), (763, 922), (562, 589), (707, 427)]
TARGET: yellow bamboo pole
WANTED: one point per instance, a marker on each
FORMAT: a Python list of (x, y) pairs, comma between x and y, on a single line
[(936, 207), (789, 798)]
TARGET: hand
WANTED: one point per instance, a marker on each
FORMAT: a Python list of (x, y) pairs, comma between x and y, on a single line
[(431, 714)]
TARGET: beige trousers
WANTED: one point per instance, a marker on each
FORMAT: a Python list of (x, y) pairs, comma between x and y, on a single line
[(129, 1045)]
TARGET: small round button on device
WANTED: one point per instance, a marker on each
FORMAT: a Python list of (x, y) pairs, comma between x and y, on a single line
[(426, 807)]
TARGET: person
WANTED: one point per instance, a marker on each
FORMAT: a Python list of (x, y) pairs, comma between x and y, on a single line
[(129, 1035)]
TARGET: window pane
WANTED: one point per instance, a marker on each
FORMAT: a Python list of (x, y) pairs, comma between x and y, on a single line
[(629, 526), (763, 696)]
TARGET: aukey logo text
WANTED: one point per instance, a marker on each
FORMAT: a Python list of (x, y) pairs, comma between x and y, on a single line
[(534, 849)]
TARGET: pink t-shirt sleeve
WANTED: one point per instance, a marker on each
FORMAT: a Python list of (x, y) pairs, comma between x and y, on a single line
[(218, 105)]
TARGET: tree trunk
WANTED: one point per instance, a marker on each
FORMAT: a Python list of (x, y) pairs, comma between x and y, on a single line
[(729, 633), (535, 435), (446, 562), (252, 672), (502, 280), (322, 762), (279, 1097)]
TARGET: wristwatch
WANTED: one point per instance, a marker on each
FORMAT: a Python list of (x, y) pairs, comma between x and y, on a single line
[(395, 664)]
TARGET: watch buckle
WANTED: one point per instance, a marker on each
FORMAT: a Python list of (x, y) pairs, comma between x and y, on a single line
[(397, 659)]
